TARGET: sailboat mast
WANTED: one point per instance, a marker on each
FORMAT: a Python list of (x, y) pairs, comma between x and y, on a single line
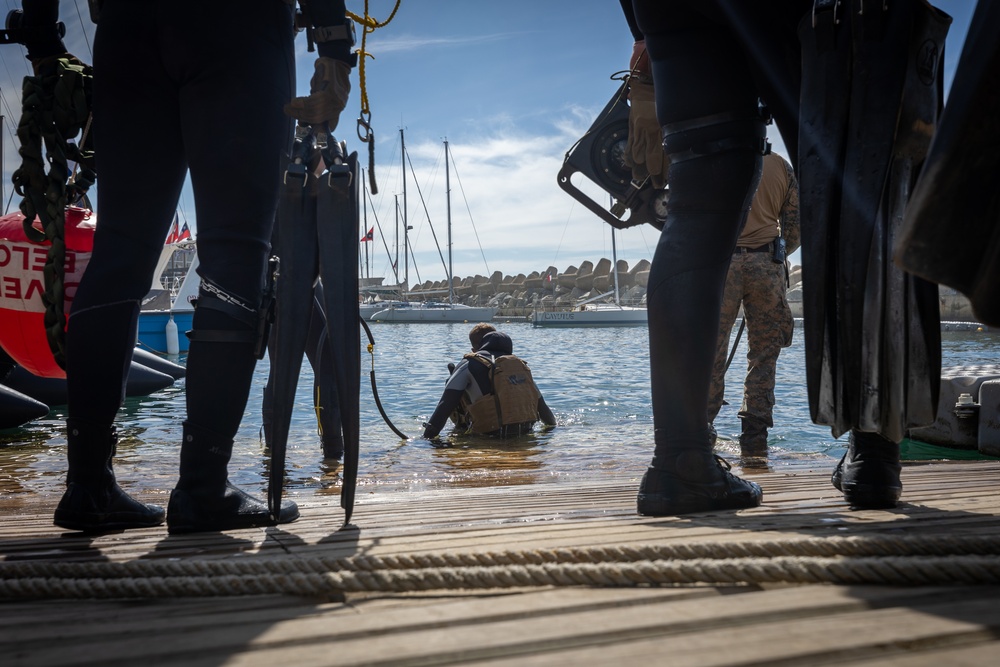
[(395, 263), (406, 222), (447, 190), (614, 264), (614, 259), (366, 270)]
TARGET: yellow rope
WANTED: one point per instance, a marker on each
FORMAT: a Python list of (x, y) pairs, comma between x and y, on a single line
[(368, 25)]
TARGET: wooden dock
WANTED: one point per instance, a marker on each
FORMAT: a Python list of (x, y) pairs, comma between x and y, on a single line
[(737, 589)]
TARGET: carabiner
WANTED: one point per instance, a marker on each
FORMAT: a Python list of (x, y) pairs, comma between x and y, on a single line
[(365, 122)]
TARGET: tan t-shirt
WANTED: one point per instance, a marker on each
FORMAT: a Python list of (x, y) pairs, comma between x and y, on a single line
[(762, 223)]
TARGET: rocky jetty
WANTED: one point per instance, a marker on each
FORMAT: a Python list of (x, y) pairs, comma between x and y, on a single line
[(551, 289)]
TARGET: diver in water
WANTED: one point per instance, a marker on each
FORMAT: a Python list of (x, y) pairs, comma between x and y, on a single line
[(214, 83), (711, 65), (491, 391)]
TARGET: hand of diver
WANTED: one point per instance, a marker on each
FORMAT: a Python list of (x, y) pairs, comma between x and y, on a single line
[(329, 89), (644, 148)]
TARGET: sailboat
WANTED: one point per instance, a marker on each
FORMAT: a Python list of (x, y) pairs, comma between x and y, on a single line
[(429, 311), (594, 313)]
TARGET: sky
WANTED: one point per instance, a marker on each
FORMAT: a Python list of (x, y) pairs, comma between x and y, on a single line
[(510, 85)]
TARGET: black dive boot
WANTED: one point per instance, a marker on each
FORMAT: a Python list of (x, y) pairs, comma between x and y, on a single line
[(753, 442), (868, 473), (204, 499), (93, 501), (694, 480)]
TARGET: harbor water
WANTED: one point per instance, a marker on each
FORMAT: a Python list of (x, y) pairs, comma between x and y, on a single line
[(596, 380)]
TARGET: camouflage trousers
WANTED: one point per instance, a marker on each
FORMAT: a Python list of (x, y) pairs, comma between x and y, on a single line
[(758, 284)]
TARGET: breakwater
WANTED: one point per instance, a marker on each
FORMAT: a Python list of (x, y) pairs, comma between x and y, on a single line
[(554, 289)]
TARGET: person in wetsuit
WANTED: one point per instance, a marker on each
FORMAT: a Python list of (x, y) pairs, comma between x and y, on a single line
[(204, 87), (712, 63), (470, 382)]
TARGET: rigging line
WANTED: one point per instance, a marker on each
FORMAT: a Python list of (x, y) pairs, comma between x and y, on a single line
[(466, 200), (427, 213), (83, 29), (9, 123), (378, 224), (572, 205), (389, 174)]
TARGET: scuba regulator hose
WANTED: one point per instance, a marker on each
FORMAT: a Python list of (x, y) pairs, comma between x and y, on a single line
[(371, 374)]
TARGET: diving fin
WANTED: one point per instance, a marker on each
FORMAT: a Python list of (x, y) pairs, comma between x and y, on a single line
[(337, 211)]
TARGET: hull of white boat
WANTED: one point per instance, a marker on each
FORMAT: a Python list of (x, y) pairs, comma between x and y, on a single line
[(598, 317), (434, 313)]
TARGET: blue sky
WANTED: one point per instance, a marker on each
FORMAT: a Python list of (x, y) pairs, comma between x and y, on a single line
[(510, 84)]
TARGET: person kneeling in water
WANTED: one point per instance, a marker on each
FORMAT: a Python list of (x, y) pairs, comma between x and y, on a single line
[(491, 391)]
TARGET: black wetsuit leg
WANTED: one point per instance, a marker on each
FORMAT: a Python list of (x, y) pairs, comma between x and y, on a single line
[(699, 71), (211, 79)]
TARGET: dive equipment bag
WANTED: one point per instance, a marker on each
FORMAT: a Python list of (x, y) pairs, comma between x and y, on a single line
[(514, 397)]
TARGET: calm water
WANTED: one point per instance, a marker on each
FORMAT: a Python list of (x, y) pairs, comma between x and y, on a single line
[(595, 380)]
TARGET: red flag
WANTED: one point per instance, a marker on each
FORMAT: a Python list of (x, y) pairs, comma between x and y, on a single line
[(172, 236), (185, 233), (369, 236)]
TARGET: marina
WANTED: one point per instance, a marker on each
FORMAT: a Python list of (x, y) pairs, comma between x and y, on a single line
[(469, 549)]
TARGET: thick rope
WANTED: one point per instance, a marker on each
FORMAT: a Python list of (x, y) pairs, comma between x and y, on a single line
[(55, 108), (899, 571), (928, 560), (368, 25)]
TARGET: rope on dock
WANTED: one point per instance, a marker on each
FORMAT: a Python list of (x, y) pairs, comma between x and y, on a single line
[(894, 560), (903, 570)]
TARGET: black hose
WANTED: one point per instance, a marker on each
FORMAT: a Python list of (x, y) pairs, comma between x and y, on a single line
[(371, 374), (743, 323)]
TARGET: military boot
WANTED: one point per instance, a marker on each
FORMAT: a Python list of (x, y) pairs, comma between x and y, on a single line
[(93, 501), (868, 473), (753, 442), (204, 500)]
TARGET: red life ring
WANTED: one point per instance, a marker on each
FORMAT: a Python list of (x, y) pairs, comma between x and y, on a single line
[(22, 282)]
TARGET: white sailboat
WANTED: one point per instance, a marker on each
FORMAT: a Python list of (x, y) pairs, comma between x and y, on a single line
[(594, 313), (429, 311)]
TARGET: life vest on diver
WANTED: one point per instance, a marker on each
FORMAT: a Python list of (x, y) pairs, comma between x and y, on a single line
[(514, 397), (22, 283)]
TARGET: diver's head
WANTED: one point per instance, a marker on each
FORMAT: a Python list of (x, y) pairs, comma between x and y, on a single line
[(497, 343), (477, 333)]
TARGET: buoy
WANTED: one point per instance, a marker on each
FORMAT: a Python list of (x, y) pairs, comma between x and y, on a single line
[(22, 264), (173, 344)]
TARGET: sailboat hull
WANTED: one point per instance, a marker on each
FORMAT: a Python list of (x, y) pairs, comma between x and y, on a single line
[(433, 312), (591, 316)]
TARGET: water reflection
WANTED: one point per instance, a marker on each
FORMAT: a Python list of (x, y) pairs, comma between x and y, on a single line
[(474, 461)]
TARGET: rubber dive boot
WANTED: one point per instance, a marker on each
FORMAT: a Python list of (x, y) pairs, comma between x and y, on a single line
[(204, 499), (694, 481), (93, 501), (868, 473), (753, 443)]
